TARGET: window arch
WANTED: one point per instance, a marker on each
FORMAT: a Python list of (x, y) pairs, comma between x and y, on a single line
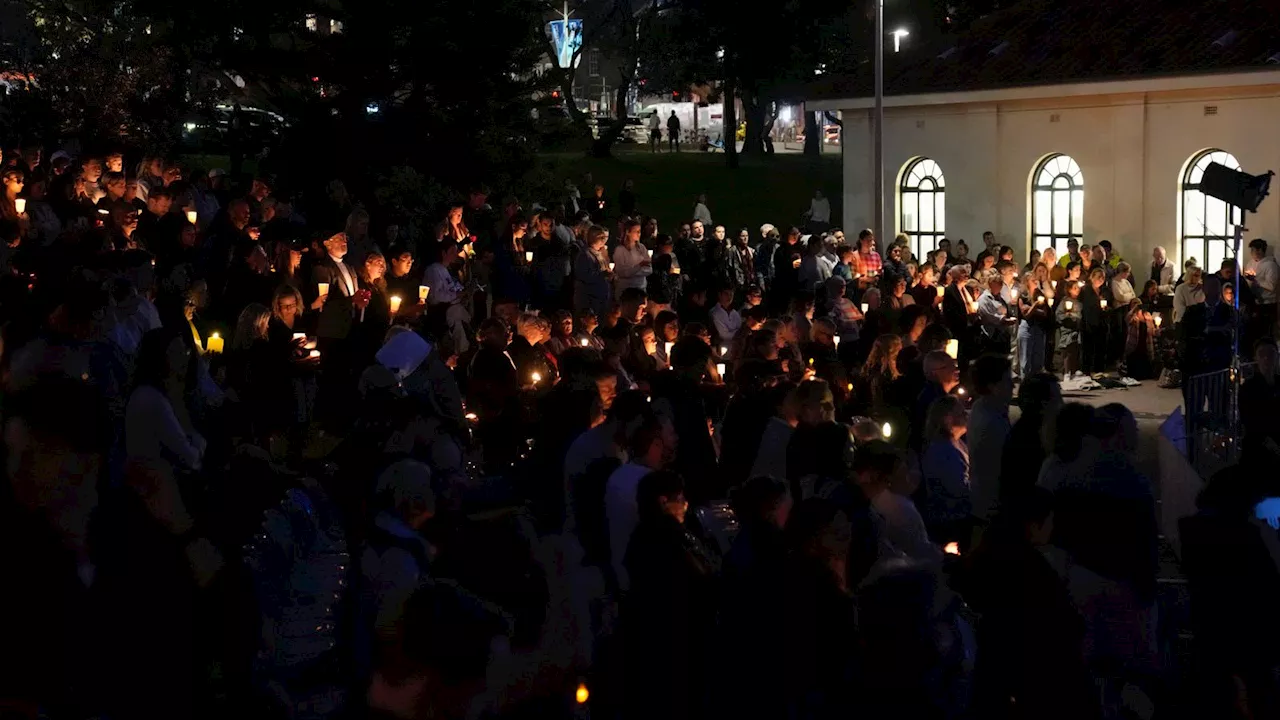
[(1207, 223), (1057, 203), (922, 201)]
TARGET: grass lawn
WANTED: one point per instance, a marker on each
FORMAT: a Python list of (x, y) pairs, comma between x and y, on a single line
[(774, 189)]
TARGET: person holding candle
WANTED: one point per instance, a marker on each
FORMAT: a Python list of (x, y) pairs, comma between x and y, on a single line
[(530, 351), (447, 298), (512, 262), (332, 292), (376, 317), (402, 281), (1033, 325), (631, 263), (1093, 327), (1070, 322), (591, 275)]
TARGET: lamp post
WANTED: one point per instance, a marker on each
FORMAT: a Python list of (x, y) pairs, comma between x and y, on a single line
[(878, 161)]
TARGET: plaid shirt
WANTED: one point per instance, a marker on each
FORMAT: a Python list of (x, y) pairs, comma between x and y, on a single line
[(871, 262)]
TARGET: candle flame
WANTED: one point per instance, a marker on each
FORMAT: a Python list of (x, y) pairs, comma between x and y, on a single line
[(582, 694), (886, 430)]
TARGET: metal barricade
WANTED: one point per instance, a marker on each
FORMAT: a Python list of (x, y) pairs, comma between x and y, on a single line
[(1211, 410)]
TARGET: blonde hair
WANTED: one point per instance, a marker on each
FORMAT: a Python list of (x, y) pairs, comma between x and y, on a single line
[(251, 317), (883, 356), (283, 292)]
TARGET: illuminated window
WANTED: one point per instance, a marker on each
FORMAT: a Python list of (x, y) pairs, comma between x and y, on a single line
[(593, 63), (312, 23), (1057, 203), (1206, 222), (335, 27), (922, 204)]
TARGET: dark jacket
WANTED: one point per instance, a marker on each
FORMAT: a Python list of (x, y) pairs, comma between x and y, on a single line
[(338, 314)]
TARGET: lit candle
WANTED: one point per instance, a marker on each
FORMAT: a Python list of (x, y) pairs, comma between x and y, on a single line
[(836, 339), (1054, 283), (849, 387), (395, 304), (422, 292), (610, 267), (103, 212), (471, 417), (314, 354), (951, 548), (528, 256), (941, 290), (720, 369), (810, 362), (536, 377), (1157, 319), (191, 216), (322, 288), (214, 344), (650, 254), (20, 204), (675, 270), (299, 336), (886, 430), (1067, 304), (724, 350), (1104, 304), (666, 348), (959, 390), (864, 308), (582, 694), (953, 348), (310, 344), (1050, 302)]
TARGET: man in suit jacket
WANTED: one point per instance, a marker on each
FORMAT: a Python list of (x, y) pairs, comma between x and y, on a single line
[(335, 307), (337, 314)]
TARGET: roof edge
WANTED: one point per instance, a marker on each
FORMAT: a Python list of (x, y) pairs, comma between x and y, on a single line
[(1242, 77)]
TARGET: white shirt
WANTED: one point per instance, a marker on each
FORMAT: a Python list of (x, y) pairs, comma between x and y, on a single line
[(622, 514), (348, 281), (701, 212), (627, 270), (1122, 292), (592, 445), (445, 289), (1185, 296), (902, 528), (727, 323), (988, 429), (152, 430), (820, 210), (1266, 275)]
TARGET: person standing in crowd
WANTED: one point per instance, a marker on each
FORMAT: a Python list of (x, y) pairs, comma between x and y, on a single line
[(1262, 277), (673, 132), (334, 294), (989, 430)]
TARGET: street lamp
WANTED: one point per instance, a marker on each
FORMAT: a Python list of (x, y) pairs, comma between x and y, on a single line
[(897, 38)]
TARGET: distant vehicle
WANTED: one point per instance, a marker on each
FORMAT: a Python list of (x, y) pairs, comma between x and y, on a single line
[(212, 132)]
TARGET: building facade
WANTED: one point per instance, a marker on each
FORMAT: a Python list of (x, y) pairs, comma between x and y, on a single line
[(1110, 160)]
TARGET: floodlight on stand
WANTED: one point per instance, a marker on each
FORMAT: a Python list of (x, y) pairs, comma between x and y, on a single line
[(1234, 187)]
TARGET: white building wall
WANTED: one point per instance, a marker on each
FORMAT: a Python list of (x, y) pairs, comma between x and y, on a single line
[(1131, 148)]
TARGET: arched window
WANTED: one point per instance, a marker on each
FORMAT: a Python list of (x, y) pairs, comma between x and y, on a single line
[(1207, 223), (1057, 203), (922, 201)]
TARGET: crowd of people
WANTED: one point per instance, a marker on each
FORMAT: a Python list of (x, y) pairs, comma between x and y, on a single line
[(292, 456)]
